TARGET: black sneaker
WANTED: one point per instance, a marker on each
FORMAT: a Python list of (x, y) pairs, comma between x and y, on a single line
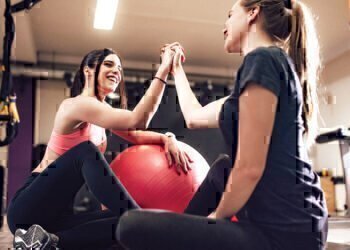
[(34, 238)]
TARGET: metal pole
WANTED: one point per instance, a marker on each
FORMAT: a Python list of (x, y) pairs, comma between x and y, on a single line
[(345, 153)]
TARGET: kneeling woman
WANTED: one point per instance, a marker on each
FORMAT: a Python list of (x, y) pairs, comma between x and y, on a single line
[(74, 157)]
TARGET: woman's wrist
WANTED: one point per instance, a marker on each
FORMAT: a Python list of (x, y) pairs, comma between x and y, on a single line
[(222, 213), (218, 214), (162, 73), (168, 136), (164, 139), (177, 70)]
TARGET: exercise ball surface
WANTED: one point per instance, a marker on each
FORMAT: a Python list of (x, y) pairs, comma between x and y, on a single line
[(145, 173)]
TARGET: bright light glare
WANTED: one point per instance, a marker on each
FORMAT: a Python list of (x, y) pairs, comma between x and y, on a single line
[(105, 14)]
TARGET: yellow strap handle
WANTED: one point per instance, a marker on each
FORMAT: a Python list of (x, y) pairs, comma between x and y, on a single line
[(13, 109), (4, 109), (10, 108)]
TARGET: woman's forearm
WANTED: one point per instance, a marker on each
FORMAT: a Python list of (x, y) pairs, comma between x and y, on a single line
[(187, 99), (239, 188), (148, 105), (141, 137)]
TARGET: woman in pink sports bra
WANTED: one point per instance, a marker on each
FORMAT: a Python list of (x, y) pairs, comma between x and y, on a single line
[(74, 157), (86, 115)]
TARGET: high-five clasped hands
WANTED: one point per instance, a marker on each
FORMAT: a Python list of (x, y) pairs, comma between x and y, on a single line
[(173, 56)]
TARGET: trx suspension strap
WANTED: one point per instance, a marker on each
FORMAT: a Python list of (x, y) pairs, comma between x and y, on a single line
[(8, 109)]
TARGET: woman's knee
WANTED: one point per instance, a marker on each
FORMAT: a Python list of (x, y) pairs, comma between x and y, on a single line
[(220, 170), (11, 216), (128, 222), (13, 222), (133, 224)]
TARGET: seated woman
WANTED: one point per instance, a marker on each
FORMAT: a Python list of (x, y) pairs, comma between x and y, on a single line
[(267, 181), (74, 157)]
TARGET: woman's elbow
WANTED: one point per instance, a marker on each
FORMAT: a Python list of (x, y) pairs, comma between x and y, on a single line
[(252, 173), (140, 124), (191, 124), (135, 123), (255, 175), (198, 124)]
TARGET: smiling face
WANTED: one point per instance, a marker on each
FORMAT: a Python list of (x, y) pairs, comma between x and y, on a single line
[(236, 28), (110, 74)]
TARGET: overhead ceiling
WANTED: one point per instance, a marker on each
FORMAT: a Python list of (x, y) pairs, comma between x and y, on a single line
[(65, 27)]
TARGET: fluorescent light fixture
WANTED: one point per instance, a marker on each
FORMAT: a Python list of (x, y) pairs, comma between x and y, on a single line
[(105, 14)]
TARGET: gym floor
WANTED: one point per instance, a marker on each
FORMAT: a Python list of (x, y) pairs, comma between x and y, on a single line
[(338, 236)]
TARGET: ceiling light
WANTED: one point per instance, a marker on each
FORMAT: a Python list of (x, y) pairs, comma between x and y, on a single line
[(105, 14)]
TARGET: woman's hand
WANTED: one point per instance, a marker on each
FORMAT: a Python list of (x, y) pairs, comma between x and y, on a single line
[(89, 78), (178, 59), (212, 215), (172, 49), (166, 56), (176, 156)]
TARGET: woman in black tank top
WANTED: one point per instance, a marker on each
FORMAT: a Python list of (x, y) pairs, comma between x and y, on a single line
[(266, 180)]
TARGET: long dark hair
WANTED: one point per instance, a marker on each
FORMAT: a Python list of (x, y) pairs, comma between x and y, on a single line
[(94, 60), (295, 29)]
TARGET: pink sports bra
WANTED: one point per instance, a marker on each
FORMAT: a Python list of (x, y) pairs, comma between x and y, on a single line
[(59, 143)]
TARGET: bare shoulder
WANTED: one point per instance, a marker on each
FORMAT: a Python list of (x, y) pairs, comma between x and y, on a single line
[(73, 111), (84, 108), (78, 100), (79, 103), (63, 121), (67, 105), (70, 107)]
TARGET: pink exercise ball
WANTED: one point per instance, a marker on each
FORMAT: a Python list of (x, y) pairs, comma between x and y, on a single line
[(145, 172)]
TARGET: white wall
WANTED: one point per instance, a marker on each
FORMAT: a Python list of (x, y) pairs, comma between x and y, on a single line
[(334, 109), (49, 95)]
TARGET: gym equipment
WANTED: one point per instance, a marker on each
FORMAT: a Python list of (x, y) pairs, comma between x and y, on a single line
[(8, 110), (3, 191), (144, 171), (342, 135)]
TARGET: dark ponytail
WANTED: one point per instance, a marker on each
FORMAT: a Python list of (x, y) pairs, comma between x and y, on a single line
[(78, 84), (304, 50)]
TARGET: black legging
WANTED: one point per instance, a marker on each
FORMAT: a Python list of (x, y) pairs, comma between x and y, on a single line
[(45, 199), (209, 193), (157, 230)]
